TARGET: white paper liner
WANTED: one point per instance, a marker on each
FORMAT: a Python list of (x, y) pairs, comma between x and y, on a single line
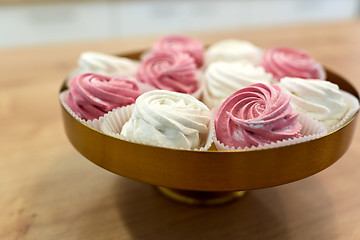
[(115, 120), (95, 124), (322, 75), (311, 129), (352, 104)]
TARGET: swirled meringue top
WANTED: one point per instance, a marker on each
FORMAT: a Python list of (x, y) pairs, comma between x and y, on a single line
[(106, 64), (230, 50), (288, 62), (168, 119), (224, 78), (92, 95), (321, 100), (169, 71), (182, 44), (256, 115)]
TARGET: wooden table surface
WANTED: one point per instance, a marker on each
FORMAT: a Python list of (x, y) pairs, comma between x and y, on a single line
[(49, 191)]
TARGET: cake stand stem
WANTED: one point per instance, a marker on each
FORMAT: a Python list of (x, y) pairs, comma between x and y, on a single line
[(200, 198)]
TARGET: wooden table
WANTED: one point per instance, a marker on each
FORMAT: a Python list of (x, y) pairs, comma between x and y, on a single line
[(49, 191)]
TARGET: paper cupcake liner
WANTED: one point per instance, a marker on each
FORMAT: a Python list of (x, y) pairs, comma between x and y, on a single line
[(310, 130), (322, 74), (353, 105), (95, 124), (310, 127), (115, 120), (209, 139)]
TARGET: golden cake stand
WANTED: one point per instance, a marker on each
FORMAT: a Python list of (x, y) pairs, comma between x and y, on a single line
[(211, 177)]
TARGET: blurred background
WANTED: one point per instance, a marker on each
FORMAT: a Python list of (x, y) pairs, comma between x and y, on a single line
[(27, 23)]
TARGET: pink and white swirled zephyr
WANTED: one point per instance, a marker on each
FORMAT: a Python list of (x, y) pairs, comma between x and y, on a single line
[(256, 115), (169, 71), (288, 62), (181, 44), (92, 95)]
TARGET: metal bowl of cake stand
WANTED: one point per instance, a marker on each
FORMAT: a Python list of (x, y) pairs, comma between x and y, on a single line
[(211, 177)]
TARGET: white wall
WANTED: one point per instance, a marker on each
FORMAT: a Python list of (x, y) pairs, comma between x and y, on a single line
[(29, 24)]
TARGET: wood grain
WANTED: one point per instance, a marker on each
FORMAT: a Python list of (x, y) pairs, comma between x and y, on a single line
[(49, 191)]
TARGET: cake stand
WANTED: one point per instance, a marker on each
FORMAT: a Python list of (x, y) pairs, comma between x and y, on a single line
[(211, 177)]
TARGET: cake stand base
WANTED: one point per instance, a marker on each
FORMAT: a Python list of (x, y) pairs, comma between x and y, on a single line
[(200, 198)]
